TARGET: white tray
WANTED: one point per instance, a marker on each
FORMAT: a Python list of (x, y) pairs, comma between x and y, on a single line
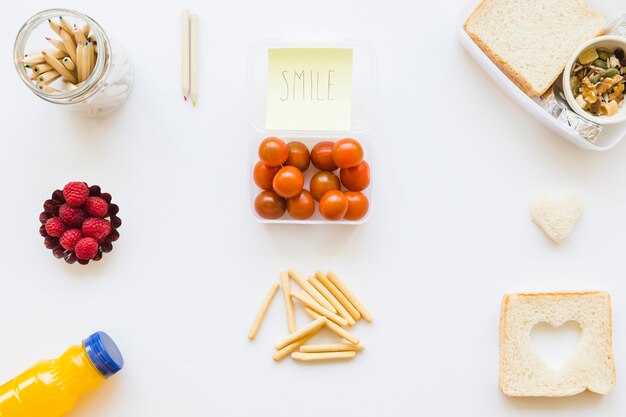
[(607, 139)]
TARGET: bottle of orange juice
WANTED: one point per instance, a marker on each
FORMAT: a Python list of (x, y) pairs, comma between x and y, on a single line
[(52, 388)]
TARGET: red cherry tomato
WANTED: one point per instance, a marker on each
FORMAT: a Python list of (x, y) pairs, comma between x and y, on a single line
[(347, 153), (299, 156), (322, 182), (288, 182), (334, 205), (270, 205), (302, 206), (273, 152), (264, 175), (356, 178), (321, 156), (358, 205)]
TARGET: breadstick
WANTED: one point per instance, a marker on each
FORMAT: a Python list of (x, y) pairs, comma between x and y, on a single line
[(310, 328), (341, 310), (308, 297), (339, 295), (319, 296), (65, 25), (69, 44), (291, 317), (56, 64), (332, 277), (40, 68), (295, 275), (261, 314), (290, 348), (48, 77), (57, 44), (68, 63), (331, 347), (338, 330), (322, 356), (321, 310)]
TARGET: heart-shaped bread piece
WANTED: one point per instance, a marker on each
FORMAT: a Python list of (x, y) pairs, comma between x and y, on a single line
[(556, 217)]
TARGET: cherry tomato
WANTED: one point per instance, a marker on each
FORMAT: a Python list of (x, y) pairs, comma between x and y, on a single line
[(264, 175), (270, 205), (356, 178), (302, 206), (299, 156), (273, 152), (358, 205), (322, 182), (334, 205), (288, 182), (321, 156), (347, 153)]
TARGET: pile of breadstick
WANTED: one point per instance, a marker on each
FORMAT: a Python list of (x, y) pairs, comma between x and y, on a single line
[(73, 58), (329, 302)]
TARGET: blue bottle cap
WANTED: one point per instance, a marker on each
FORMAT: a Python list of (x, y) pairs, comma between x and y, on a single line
[(104, 354)]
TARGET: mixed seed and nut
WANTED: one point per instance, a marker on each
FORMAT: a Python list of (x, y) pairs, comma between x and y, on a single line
[(597, 80)]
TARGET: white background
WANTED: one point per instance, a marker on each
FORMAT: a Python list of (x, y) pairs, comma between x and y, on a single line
[(455, 165)]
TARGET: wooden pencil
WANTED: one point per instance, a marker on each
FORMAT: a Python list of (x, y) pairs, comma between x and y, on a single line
[(79, 62), (46, 88), (59, 67), (66, 26), (57, 44), (69, 44), (34, 59), (40, 68), (86, 30), (84, 63), (48, 77), (79, 35), (56, 28), (92, 59), (68, 63), (193, 59), (184, 47)]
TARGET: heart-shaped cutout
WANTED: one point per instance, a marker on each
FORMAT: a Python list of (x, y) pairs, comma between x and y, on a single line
[(556, 217), (555, 345)]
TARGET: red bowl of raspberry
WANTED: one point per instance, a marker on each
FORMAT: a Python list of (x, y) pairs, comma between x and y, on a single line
[(79, 223)]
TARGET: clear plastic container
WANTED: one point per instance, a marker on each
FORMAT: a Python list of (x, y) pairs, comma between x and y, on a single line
[(110, 82), (51, 388), (364, 104)]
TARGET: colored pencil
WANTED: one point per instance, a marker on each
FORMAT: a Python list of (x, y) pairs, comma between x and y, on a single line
[(59, 67), (193, 60), (57, 44), (184, 47)]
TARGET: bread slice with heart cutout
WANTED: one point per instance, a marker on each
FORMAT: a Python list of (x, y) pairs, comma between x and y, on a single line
[(523, 373)]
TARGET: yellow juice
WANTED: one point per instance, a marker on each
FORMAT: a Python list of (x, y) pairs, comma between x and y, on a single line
[(51, 388)]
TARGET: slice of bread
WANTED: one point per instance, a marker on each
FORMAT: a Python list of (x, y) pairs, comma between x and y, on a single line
[(532, 40), (555, 217), (523, 373)]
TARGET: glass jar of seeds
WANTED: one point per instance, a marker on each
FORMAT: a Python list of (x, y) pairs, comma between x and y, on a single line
[(66, 58)]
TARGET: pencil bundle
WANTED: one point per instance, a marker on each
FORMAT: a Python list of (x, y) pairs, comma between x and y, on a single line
[(189, 55), (72, 59), (329, 302)]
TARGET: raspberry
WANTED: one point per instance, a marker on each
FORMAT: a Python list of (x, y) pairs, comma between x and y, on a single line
[(55, 227), (75, 193), (96, 228), (72, 216), (70, 238), (86, 248), (96, 207)]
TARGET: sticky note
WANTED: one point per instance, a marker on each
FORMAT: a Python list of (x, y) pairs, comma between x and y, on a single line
[(309, 89)]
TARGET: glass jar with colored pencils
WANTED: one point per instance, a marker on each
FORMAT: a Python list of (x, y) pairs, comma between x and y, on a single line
[(66, 58)]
